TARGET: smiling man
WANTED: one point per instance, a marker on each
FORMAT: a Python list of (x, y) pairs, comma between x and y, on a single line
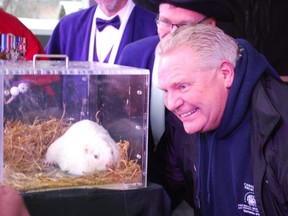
[(199, 108), (141, 54), (230, 102)]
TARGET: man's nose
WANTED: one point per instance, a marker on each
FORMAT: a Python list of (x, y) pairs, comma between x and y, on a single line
[(172, 102)]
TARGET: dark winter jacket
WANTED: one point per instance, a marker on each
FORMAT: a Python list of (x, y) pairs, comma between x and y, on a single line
[(270, 146)]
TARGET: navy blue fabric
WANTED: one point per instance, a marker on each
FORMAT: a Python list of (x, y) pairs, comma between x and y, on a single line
[(140, 54), (225, 154)]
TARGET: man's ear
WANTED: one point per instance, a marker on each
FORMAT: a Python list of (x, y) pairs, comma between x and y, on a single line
[(213, 22), (227, 71)]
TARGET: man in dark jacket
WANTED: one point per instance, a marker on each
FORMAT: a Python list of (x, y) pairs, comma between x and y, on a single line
[(140, 54), (230, 102)]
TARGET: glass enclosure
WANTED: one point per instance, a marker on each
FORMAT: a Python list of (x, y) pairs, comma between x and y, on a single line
[(73, 124)]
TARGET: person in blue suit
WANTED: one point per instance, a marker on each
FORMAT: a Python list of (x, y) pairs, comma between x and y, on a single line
[(99, 34), (76, 33)]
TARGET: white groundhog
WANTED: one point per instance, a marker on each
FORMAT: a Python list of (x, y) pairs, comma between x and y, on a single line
[(84, 148)]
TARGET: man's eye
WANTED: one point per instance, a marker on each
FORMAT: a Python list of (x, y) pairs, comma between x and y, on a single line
[(183, 86)]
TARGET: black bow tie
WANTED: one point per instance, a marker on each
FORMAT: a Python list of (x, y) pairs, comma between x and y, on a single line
[(101, 24)]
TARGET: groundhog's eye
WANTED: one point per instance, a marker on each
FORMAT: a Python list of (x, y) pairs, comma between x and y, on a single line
[(96, 156)]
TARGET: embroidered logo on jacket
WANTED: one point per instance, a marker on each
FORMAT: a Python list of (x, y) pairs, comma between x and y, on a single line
[(249, 206)]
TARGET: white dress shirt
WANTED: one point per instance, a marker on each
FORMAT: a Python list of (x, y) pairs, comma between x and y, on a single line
[(109, 39), (157, 107)]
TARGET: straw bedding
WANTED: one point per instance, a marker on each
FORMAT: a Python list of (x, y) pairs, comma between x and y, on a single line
[(24, 168)]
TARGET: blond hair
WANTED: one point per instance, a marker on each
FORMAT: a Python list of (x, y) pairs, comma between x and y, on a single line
[(209, 43)]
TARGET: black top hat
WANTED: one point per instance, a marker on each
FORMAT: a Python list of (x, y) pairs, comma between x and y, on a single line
[(210, 8)]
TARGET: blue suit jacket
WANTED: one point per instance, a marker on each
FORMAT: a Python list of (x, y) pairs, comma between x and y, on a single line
[(72, 34), (140, 54)]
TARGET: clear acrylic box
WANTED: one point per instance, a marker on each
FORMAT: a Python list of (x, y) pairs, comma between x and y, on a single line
[(43, 99)]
